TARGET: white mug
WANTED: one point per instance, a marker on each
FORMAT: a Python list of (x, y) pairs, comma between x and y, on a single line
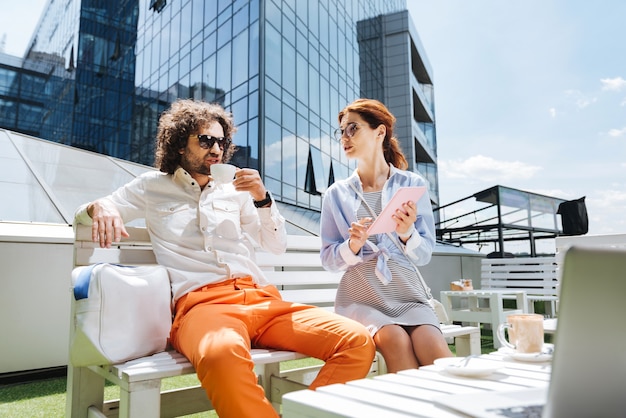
[(223, 173), (525, 333)]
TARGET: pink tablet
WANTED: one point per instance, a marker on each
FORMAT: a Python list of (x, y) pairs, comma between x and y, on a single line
[(385, 223)]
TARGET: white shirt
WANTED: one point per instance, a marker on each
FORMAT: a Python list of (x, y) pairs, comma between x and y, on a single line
[(200, 236)]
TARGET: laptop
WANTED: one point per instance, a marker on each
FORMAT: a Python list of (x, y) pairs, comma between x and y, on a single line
[(588, 377)]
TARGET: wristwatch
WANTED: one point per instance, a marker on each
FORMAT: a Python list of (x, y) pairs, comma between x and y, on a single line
[(264, 202)]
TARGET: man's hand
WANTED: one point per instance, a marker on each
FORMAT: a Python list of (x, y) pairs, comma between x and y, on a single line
[(249, 180), (108, 226)]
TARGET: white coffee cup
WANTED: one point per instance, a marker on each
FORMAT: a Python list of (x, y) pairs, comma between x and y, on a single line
[(223, 173), (525, 333)]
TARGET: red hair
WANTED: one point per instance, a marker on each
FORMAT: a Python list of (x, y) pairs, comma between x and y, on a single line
[(375, 114)]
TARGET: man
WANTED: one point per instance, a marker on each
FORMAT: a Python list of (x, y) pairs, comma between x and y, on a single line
[(203, 233)]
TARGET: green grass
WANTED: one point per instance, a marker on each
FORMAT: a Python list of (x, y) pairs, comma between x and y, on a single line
[(46, 398)]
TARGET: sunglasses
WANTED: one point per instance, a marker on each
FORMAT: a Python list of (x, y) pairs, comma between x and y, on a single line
[(348, 131), (207, 141)]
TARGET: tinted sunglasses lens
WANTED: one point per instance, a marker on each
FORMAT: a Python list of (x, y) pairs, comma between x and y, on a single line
[(207, 141)]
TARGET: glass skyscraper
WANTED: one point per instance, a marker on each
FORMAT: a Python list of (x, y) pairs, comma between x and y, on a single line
[(283, 67)]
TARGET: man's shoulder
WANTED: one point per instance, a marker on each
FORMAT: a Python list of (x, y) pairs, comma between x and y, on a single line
[(153, 175)]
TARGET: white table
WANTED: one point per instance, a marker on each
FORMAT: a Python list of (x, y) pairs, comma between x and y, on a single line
[(409, 393)]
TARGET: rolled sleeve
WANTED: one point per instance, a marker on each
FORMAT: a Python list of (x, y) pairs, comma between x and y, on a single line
[(81, 216)]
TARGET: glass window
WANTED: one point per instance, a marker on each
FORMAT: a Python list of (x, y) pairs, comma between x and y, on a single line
[(32, 87), (289, 30), (241, 136), (301, 44), (302, 74), (8, 80), (29, 117), (210, 44), (313, 18), (273, 57), (195, 86), (175, 43), (289, 193), (253, 104), (197, 15), (254, 49), (196, 56), (272, 14), (185, 66), (224, 33), (240, 20), (223, 68), (253, 140), (289, 70), (289, 118), (317, 165), (314, 90), (272, 107), (240, 111), (186, 23), (273, 152), (210, 72), (254, 10), (210, 11), (324, 24), (289, 157), (240, 58)]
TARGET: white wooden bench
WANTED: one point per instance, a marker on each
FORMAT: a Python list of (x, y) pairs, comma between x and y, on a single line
[(534, 275), (299, 276), (607, 241)]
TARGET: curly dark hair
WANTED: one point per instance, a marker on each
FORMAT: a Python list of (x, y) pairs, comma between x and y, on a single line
[(185, 117)]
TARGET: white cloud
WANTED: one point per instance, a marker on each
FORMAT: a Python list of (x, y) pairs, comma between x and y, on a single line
[(552, 111), (579, 99), (613, 84), (617, 132), (484, 168)]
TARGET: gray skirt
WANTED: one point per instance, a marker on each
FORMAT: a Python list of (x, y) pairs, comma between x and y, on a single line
[(362, 297)]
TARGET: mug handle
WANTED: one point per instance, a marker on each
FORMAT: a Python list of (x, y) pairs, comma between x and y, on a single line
[(501, 336)]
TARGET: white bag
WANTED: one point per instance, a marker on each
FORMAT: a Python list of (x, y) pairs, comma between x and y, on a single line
[(121, 313)]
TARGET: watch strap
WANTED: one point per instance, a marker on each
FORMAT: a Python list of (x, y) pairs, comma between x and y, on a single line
[(261, 203)]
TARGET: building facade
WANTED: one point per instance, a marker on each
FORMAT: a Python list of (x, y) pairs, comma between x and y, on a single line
[(283, 67)]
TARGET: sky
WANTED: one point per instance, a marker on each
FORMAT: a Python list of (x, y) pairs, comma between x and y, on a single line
[(529, 94)]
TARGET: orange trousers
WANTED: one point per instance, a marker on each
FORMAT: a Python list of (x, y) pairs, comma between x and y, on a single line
[(216, 326)]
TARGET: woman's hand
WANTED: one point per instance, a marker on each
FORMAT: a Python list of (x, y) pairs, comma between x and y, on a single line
[(357, 234), (405, 220)]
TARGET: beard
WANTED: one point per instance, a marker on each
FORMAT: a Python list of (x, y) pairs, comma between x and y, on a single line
[(193, 164)]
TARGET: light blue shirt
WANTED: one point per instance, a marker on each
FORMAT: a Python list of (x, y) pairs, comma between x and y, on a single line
[(339, 210)]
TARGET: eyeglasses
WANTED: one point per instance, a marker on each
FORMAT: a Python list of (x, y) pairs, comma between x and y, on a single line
[(348, 131), (207, 141)]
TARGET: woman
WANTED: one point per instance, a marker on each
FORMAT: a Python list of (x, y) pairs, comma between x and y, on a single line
[(380, 287)]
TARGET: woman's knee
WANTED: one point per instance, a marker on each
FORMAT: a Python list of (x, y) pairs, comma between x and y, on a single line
[(392, 338)]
